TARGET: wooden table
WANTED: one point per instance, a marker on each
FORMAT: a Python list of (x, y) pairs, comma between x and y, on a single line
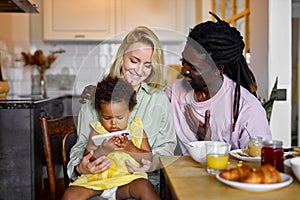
[(188, 180)]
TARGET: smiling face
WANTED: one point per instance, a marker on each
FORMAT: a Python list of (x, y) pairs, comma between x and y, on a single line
[(196, 69), (114, 116), (137, 65)]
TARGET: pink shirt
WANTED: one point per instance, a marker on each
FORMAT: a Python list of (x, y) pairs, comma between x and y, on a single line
[(252, 115)]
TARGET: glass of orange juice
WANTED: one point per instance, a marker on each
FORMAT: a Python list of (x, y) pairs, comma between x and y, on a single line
[(217, 156)]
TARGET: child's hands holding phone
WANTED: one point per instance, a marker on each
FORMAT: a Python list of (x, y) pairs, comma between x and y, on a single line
[(124, 144), (108, 145)]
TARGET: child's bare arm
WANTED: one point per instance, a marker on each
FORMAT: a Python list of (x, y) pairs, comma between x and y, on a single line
[(106, 147), (144, 152), (90, 145)]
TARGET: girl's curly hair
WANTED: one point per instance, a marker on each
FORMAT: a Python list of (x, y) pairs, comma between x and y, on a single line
[(113, 89)]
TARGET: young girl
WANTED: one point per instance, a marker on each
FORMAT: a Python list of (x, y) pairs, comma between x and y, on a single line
[(114, 100)]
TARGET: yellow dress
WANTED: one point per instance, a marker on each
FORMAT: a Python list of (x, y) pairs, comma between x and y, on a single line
[(117, 174)]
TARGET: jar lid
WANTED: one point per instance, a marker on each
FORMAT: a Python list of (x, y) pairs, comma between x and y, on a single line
[(272, 143), (256, 138)]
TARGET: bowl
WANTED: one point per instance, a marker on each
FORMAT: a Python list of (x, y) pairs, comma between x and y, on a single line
[(197, 150), (295, 165)]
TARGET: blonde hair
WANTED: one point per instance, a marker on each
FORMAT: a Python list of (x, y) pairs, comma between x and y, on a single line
[(143, 35)]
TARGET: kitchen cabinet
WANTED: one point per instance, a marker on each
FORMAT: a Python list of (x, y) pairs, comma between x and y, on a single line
[(96, 20), (21, 160), (170, 20), (78, 20)]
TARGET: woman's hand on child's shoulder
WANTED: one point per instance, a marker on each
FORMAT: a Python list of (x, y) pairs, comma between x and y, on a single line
[(88, 94)]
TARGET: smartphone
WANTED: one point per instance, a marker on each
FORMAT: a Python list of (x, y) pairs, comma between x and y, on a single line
[(98, 139)]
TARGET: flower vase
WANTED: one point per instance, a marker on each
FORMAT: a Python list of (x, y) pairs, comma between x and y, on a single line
[(35, 76), (42, 84)]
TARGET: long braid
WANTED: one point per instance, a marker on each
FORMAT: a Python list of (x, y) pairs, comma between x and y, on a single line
[(225, 46), (236, 103)]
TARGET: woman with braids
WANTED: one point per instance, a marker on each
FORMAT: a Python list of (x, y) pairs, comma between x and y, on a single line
[(216, 99)]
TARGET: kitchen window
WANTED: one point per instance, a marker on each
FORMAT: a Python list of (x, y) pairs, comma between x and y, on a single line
[(235, 12)]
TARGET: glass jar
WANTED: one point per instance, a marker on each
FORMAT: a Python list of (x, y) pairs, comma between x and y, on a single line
[(272, 153), (254, 146)]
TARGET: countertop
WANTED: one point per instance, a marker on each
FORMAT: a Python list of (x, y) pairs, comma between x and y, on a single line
[(29, 101)]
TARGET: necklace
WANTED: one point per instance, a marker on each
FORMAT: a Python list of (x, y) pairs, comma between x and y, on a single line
[(201, 95)]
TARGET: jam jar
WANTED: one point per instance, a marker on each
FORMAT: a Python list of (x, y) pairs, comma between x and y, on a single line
[(272, 153)]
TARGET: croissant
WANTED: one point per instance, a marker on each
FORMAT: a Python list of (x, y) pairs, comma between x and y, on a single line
[(236, 174), (265, 174), (296, 149)]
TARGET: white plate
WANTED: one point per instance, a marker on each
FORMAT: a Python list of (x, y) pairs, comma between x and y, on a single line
[(291, 153), (287, 162), (239, 154), (285, 180)]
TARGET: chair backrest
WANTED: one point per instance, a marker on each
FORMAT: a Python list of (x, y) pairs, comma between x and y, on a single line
[(59, 134)]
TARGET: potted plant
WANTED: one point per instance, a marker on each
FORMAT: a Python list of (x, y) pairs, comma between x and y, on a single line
[(268, 104), (4, 87)]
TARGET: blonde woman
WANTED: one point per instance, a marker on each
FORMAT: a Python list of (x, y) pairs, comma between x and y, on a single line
[(139, 60)]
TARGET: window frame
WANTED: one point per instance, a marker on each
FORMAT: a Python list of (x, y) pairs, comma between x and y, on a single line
[(234, 17)]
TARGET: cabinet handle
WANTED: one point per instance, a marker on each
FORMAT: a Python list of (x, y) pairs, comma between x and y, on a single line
[(79, 36)]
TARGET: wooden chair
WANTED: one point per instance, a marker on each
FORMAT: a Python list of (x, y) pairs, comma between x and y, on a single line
[(59, 135)]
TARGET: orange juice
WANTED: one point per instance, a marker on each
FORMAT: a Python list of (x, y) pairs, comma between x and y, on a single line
[(217, 161)]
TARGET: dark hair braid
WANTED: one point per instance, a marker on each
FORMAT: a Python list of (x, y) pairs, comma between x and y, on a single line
[(225, 46)]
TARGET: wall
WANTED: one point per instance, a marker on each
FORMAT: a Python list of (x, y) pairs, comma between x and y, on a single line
[(280, 64), (270, 43), (14, 37), (15, 30), (259, 45), (296, 15)]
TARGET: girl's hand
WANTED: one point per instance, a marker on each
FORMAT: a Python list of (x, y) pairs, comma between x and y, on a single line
[(123, 144), (108, 145), (99, 165)]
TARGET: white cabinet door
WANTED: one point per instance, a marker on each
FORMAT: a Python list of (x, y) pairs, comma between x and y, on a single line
[(170, 19), (78, 19)]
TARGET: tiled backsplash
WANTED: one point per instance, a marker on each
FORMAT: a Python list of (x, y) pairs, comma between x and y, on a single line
[(81, 64)]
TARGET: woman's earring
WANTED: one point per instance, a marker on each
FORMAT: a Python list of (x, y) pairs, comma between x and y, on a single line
[(218, 72)]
